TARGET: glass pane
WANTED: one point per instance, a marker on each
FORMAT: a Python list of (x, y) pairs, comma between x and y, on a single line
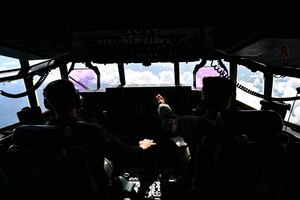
[(10, 106), (33, 62), (204, 72), (9, 73), (210, 69), (286, 87), (156, 73), (109, 75), (85, 79), (186, 72), (254, 81), (7, 63)]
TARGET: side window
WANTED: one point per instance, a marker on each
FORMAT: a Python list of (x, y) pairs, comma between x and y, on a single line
[(287, 87), (253, 81), (10, 106)]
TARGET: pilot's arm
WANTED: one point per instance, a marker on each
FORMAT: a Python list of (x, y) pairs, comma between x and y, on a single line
[(184, 126)]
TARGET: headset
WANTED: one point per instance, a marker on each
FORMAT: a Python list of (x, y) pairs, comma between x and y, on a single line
[(73, 98)]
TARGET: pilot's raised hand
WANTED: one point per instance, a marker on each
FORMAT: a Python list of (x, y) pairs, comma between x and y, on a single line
[(158, 99)]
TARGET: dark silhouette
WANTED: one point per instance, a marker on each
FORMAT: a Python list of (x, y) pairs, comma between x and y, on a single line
[(29, 115), (61, 97), (217, 94)]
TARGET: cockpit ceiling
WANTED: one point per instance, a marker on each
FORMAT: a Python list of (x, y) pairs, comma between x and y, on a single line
[(111, 46), (273, 52), (112, 31)]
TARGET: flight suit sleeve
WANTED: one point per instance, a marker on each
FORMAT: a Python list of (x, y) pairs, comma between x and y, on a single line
[(167, 117), (186, 126)]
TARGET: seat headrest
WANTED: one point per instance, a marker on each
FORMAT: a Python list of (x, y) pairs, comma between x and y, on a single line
[(41, 135), (29, 115), (266, 122)]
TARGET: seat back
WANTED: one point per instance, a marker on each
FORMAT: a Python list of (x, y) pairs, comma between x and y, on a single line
[(45, 165), (244, 161), (29, 115), (4, 171), (238, 170), (258, 125), (249, 170)]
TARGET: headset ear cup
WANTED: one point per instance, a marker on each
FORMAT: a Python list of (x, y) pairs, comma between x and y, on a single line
[(46, 104), (78, 100)]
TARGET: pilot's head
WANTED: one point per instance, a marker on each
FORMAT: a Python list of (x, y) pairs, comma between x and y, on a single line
[(61, 96), (217, 93)]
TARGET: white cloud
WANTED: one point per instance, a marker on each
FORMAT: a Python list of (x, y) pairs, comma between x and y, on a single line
[(296, 116), (279, 87), (165, 66), (257, 82), (145, 77), (286, 87), (186, 78), (166, 77), (109, 74)]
